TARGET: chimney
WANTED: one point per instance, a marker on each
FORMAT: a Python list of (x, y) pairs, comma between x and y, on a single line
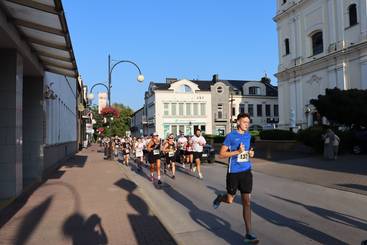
[(171, 80), (215, 78)]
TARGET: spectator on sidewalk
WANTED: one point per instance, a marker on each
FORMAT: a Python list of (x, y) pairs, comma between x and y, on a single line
[(331, 144)]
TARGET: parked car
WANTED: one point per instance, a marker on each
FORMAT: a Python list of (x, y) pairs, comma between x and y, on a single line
[(360, 142), (208, 154)]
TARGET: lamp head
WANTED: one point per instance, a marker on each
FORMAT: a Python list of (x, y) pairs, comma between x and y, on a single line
[(140, 78), (90, 96)]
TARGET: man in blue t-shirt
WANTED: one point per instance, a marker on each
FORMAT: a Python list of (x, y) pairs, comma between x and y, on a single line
[(236, 147)]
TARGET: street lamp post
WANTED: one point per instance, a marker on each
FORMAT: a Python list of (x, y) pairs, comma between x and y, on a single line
[(140, 77)]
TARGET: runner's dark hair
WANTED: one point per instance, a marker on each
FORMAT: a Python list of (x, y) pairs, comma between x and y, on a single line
[(243, 115)]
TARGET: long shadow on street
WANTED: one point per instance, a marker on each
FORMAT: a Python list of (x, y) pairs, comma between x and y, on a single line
[(280, 220), (209, 221), (333, 216), (31, 221), (85, 231), (147, 228)]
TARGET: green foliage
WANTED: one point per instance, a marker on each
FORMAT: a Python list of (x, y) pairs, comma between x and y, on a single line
[(343, 107), (214, 138), (255, 133), (117, 126), (277, 134), (312, 137)]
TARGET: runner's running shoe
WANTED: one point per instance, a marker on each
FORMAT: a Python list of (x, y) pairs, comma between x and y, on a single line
[(159, 182), (217, 201), (251, 239)]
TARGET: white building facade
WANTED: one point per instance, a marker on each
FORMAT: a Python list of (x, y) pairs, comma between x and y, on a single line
[(175, 106), (322, 44), (212, 106)]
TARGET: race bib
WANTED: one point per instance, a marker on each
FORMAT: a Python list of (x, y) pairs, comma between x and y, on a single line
[(127, 151), (155, 152), (171, 154), (243, 157)]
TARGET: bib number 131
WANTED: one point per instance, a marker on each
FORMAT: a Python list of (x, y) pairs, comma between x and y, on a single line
[(243, 157)]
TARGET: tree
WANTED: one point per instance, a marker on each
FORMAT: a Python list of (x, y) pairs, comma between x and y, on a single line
[(120, 123), (344, 107)]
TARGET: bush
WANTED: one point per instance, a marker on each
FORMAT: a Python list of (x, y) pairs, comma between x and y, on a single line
[(214, 138), (254, 133), (312, 137), (277, 134)]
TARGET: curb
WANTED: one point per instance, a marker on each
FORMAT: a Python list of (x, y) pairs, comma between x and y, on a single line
[(151, 205)]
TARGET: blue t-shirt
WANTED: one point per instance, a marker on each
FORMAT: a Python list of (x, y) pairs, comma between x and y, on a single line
[(238, 163)]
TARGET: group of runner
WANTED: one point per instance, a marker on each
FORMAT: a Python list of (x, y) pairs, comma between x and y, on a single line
[(185, 150), (236, 147)]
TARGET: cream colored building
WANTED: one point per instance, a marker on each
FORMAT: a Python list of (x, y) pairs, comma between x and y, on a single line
[(211, 105), (322, 44), (178, 105)]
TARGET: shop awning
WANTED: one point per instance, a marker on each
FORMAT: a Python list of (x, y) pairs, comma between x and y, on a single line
[(42, 24)]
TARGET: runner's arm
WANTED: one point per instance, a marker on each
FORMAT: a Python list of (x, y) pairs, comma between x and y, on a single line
[(224, 153)]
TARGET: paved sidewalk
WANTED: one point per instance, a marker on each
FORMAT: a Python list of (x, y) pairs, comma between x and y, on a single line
[(348, 173), (87, 201)]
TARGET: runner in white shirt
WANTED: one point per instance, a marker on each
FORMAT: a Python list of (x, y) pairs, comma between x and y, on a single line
[(181, 143), (198, 145), (139, 145)]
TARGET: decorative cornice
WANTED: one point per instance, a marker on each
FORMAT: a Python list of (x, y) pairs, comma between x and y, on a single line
[(322, 60)]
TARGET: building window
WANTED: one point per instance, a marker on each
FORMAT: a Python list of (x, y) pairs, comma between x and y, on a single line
[(188, 109), (352, 9), (184, 89), (202, 109), (317, 43), (180, 109), (267, 110), (220, 90), (173, 109), (196, 109), (286, 44), (174, 129), (166, 109), (276, 111), (254, 90), (242, 108), (220, 111), (251, 110), (259, 110), (181, 128), (202, 128)]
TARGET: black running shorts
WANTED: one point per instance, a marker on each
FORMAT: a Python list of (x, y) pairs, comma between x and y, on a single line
[(197, 155), (241, 181)]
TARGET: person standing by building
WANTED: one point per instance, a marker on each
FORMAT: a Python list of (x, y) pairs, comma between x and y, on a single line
[(236, 147), (331, 144), (198, 142), (169, 149), (154, 158)]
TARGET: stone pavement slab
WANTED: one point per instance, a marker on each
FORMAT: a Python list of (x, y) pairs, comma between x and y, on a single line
[(87, 201)]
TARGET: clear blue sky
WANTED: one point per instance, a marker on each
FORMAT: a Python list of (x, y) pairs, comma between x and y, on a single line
[(191, 39)]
